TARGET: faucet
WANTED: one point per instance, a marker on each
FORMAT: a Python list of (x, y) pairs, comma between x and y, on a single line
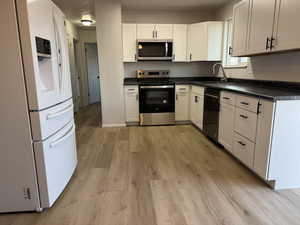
[(224, 78)]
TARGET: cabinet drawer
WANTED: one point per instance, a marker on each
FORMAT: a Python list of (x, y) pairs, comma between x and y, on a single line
[(246, 102), (228, 98), (131, 89), (48, 121), (245, 123), (182, 88), (198, 90), (243, 149)]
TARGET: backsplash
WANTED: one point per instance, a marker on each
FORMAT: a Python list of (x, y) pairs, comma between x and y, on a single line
[(193, 69)]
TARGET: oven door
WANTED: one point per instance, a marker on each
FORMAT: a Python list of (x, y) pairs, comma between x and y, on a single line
[(155, 50), (157, 105)]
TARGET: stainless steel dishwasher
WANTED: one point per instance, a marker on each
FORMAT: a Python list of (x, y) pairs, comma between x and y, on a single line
[(211, 113)]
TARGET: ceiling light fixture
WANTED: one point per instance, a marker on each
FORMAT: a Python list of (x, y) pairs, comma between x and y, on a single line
[(86, 22)]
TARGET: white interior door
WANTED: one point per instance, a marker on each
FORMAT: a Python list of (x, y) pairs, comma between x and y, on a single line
[(93, 72), (74, 73)]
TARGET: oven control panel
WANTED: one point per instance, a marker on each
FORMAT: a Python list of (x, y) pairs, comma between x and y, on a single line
[(152, 73)]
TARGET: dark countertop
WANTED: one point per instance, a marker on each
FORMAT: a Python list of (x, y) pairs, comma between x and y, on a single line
[(271, 90)]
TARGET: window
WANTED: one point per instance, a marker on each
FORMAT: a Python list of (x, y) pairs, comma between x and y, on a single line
[(228, 60)]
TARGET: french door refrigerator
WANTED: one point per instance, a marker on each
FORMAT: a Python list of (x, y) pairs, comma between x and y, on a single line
[(37, 132)]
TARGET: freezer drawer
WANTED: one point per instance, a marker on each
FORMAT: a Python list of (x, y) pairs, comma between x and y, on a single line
[(47, 122), (56, 160)]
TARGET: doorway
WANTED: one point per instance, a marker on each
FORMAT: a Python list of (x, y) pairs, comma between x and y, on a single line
[(93, 73), (93, 78)]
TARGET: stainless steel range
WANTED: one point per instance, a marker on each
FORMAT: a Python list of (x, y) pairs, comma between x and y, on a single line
[(157, 98)]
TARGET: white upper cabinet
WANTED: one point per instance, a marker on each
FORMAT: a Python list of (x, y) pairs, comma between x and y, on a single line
[(164, 31), (154, 31), (129, 42), (261, 26), (241, 21), (180, 42), (145, 31), (286, 33), (271, 28), (205, 41)]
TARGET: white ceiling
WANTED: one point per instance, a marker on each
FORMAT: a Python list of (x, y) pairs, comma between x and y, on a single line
[(74, 9)]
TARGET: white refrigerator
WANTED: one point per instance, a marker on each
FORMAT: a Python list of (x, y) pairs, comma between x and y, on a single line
[(37, 131)]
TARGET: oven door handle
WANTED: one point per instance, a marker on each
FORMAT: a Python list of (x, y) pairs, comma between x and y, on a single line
[(158, 87)]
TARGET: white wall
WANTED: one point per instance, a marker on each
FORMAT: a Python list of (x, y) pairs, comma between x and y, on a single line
[(85, 36), (163, 16), (194, 69), (278, 67), (109, 39)]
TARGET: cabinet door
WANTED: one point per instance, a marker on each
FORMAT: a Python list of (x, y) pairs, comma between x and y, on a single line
[(287, 17), (129, 42), (164, 31), (145, 31), (263, 138), (180, 42), (182, 103), (199, 111), (214, 42), (226, 126), (197, 41), (240, 28), (261, 25), (132, 104)]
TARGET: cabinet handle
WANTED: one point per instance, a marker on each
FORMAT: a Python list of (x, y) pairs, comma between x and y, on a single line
[(258, 108), (243, 116), (173, 57), (137, 97), (190, 56), (153, 34), (244, 103), (267, 43), (226, 98), (156, 34), (176, 97), (230, 50), (272, 43), (196, 99), (241, 143), (182, 89), (135, 57)]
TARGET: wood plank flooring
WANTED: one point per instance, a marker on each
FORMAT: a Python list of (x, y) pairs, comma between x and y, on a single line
[(170, 175)]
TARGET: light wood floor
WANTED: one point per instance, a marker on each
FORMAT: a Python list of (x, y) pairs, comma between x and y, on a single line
[(160, 176)]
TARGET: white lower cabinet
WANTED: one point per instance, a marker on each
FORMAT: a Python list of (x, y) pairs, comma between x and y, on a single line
[(182, 103), (226, 125), (197, 106), (132, 103), (243, 149), (263, 138)]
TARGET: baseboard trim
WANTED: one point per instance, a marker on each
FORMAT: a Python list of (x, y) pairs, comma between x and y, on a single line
[(114, 125)]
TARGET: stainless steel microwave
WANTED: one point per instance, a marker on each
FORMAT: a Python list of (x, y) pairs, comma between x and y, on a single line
[(154, 50)]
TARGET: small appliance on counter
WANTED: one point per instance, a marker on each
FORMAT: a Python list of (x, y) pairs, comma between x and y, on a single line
[(157, 98)]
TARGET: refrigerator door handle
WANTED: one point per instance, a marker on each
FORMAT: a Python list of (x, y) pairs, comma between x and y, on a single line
[(59, 52), (59, 113), (63, 138)]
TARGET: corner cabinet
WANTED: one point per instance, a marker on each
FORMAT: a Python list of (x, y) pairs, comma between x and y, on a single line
[(132, 103), (182, 103), (205, 41), (129, 42), (271, 26)]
